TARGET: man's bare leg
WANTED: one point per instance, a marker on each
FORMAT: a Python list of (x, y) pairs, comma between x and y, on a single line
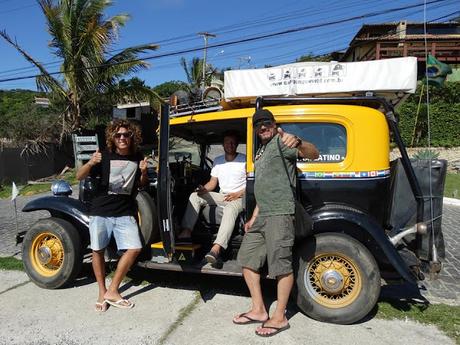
[(98, 263), (124, 264), (258, 311), (278, 319)]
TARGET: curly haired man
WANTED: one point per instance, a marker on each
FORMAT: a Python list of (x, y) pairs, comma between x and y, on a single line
[(121, 168)]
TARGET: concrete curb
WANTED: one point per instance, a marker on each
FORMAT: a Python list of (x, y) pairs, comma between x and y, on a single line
[(451, 201)]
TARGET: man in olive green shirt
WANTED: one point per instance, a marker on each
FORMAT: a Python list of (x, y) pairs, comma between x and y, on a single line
[(270, 231)]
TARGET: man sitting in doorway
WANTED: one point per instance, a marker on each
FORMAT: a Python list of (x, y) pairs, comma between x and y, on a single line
[(229, 172)]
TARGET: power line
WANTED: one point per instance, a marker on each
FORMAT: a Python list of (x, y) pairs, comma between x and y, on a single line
[(447, 16), (230, 28), (244, 40), (18, 9), (221, 30), (272, 59)]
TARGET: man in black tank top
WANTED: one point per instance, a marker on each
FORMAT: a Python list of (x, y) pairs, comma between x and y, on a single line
[(121, 169)]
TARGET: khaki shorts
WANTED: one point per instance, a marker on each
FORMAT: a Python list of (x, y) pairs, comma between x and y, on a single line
[(270, 238)]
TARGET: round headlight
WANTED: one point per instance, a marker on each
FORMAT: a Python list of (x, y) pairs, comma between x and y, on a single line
[(61, 187)]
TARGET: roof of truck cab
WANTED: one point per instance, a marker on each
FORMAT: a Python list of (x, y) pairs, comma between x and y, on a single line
[(279, 110)]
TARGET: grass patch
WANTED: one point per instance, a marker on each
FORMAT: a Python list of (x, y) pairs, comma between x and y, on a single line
[(11, 264), (452, 187), (31, 189), (444, 317)]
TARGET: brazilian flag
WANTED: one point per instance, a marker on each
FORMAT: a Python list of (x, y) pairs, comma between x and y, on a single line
[(437, 71)]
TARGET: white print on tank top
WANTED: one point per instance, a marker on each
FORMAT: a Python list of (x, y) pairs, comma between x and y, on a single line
[(122, 176)]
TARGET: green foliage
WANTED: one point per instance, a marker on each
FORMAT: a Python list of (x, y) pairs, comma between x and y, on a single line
[(452, 186), (82, 35), (194, 72), (444, 117), (311, 57), (32, 189), (166, 89), (426, 154), (22, 120)]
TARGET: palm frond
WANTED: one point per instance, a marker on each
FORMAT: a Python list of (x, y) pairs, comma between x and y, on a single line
[(131, 52), (50, 81), (56, 27)]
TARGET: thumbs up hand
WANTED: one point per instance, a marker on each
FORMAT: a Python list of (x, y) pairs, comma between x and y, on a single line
[(290, 140), (143, 166), (95, 158)]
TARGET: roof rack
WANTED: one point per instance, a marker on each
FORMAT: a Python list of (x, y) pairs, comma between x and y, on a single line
[(204, 106)]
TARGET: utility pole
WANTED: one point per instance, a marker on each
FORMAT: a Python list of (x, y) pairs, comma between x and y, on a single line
[(246, 59), (205, 36)]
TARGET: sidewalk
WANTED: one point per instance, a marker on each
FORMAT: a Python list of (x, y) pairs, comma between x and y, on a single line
[(173, 314)]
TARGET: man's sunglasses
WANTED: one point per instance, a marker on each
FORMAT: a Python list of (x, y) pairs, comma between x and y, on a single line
[(125, 135), (266, 123)]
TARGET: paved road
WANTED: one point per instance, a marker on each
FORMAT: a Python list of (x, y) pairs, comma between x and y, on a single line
[(446, 289)]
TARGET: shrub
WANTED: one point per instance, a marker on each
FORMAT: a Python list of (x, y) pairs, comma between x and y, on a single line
[(444, 110)]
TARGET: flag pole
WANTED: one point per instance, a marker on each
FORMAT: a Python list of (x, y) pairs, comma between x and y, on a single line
[(14, 194), (16, 220)]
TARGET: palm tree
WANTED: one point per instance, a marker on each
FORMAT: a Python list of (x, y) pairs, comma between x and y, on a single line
[(82, 37), (194, 73)]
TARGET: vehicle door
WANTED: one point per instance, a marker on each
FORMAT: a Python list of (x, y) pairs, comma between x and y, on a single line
[(164, 185)]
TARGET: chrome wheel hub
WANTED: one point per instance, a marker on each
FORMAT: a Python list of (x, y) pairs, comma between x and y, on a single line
[(332, 281), (44, 255)]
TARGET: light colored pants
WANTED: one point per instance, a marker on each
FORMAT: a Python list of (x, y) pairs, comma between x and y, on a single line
[(231, 209)]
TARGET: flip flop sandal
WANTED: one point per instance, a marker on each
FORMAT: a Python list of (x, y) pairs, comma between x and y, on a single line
[(211, 257), (121, 303), (101, 307), (250, 320), (277, 330)]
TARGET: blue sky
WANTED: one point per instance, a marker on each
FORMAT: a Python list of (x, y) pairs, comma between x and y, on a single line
[(160, 21)]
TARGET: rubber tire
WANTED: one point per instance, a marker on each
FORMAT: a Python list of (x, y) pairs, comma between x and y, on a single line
[(73, 252), (149, 229), (364, 263)]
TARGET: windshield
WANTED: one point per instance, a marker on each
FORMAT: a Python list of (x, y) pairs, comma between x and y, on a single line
[(183, 150)]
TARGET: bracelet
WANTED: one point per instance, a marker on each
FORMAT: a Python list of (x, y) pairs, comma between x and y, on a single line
[(299, 141)]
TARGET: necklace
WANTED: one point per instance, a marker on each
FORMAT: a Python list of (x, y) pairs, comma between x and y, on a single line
[(260, 152)]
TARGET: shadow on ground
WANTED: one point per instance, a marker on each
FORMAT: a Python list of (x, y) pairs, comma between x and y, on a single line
[(402, 297)]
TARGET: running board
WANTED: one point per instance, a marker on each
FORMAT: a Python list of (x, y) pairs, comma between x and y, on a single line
[(229, 268)]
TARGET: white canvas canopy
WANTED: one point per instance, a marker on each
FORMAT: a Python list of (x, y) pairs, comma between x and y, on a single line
[(382, 77)]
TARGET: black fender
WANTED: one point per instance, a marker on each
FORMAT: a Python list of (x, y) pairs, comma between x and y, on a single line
[(368, 224), (58, 205)]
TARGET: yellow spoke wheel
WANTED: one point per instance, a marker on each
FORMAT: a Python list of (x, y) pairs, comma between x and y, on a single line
[(337, 278), (47, 254), (52, 252), (333, 280)]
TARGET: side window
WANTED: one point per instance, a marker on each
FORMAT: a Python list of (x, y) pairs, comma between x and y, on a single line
[(329, 138)]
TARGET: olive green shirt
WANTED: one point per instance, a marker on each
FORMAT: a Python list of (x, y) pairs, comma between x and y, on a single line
[(272, 189)]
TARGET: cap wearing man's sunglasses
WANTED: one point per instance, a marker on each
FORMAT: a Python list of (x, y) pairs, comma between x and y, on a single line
[(262, 115)]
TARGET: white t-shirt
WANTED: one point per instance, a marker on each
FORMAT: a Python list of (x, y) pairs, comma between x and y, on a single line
[(231, 175)]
